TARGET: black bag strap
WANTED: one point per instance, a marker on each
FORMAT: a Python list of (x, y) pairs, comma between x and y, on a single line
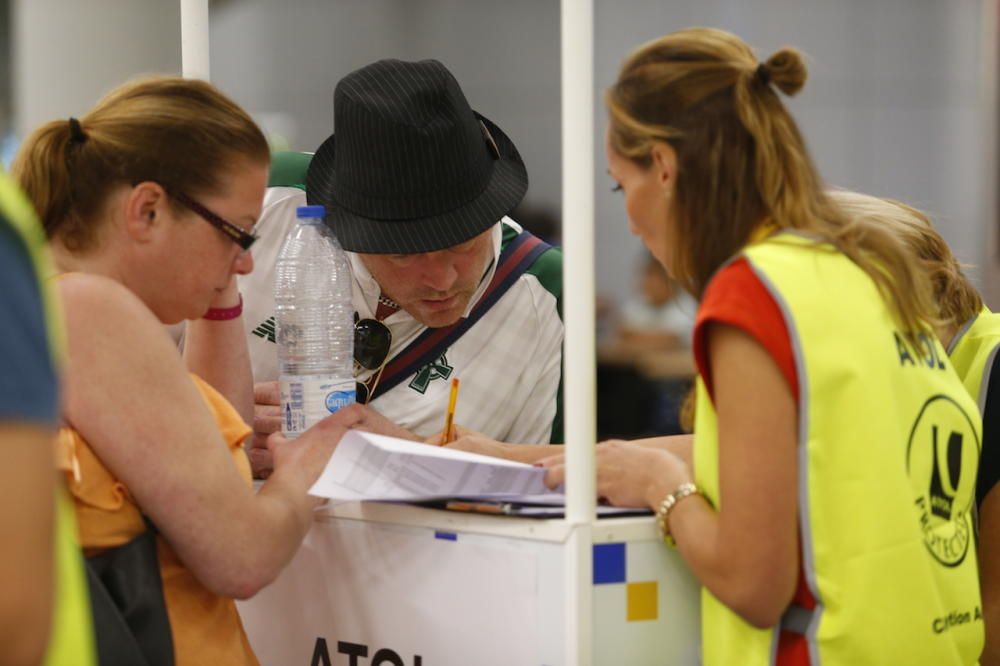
[(517, 257), (130, 619), (150, 526)]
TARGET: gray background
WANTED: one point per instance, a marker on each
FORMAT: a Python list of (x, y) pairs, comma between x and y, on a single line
[(898, 100)]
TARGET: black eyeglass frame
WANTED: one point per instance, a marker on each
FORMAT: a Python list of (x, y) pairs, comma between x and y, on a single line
[(245, 239)]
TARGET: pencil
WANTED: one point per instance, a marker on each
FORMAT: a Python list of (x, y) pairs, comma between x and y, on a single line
[(503, 508), (450, 415)]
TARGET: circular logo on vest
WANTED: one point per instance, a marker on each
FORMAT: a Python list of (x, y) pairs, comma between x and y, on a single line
[(942, 457)]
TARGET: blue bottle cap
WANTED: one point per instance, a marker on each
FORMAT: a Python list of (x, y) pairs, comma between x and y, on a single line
[(310, 211)]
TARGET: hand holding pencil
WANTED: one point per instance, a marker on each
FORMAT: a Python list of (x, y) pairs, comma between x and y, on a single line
[(447, 436)]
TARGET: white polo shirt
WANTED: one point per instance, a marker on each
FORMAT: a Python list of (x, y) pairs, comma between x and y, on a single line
[(509, 362)]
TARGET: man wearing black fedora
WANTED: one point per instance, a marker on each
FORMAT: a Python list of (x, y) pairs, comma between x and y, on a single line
[(417, 188)]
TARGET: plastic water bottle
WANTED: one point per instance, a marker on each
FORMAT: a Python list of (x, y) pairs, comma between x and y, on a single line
[(315, 324)]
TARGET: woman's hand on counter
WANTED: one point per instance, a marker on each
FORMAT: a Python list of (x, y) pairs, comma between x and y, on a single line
[(628, 474)]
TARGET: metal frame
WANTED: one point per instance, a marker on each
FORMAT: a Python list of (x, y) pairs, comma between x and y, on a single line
[(577, 53)]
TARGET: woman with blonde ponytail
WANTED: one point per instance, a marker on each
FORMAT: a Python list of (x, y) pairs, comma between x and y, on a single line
[(828, 511), (149, 202)]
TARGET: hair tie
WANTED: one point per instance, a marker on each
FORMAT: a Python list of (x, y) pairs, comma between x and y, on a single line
[(76, 133), (762, 75)]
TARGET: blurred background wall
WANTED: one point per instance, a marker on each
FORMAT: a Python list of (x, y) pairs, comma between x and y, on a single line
[(899, 100), (67, 53)]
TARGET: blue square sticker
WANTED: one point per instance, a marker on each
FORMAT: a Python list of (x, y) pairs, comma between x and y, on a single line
[(609, 563)]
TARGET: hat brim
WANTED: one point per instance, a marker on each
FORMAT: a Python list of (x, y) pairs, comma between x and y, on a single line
[(358, 233)]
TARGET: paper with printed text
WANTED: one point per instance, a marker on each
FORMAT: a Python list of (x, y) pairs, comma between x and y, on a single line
[(366, 466)]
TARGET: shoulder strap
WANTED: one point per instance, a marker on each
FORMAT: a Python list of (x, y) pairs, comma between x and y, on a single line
[(515, 259)]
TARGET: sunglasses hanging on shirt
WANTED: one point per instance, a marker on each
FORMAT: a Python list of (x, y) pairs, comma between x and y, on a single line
[(372, 340)]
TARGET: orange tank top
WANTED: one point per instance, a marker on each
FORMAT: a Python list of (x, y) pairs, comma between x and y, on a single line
[(206, 628)]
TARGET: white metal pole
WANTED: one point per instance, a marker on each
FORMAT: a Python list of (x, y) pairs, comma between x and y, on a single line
[(577, 53), (578, 257), (194, 39)]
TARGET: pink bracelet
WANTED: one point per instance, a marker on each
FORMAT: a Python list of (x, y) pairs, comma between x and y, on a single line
[(224, 314)]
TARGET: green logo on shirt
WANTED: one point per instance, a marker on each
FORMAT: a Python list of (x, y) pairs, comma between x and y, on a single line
[(265, 330), (438, 369)]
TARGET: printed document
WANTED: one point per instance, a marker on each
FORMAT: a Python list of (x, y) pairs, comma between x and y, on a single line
[(365, 466)]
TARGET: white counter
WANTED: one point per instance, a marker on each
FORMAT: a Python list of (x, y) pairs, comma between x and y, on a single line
[(394, 584)]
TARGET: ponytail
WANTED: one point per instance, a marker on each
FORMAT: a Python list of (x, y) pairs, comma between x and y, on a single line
[(181, 133), (742, 163), (42, 169)]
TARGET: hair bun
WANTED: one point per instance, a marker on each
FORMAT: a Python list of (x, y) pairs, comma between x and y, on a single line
[(787, 70)]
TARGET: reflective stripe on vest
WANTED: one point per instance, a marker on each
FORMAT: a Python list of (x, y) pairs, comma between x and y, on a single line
[(972, 351), (888, 446), (70, 636)]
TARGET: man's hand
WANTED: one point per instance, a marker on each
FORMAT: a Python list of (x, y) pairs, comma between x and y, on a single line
[(482, 445), (266, 420), (457, 432)]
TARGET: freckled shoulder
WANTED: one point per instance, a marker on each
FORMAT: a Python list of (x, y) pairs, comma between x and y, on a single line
[(101, 306)]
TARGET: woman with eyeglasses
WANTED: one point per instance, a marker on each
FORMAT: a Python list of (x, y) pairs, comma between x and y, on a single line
[(828, 513), (149, 201)]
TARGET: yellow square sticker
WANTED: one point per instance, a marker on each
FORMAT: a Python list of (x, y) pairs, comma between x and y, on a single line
[(641, 601)]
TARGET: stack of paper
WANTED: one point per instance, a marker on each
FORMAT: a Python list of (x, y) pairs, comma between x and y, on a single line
[(375, 467)]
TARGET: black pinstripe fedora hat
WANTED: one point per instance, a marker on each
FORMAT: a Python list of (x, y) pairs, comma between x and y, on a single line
[(411, 167)]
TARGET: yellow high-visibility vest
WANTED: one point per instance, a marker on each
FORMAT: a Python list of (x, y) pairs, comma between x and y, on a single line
[(888, 450), (71, 638), (972, 350)]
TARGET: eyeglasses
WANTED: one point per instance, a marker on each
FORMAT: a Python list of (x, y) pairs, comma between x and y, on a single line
[(372, 340), (242, 238)]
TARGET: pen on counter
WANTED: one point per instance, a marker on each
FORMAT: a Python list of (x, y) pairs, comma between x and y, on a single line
[(501, 508), (450, 415)]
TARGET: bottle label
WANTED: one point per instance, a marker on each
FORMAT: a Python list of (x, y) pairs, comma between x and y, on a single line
[(306, 399)]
